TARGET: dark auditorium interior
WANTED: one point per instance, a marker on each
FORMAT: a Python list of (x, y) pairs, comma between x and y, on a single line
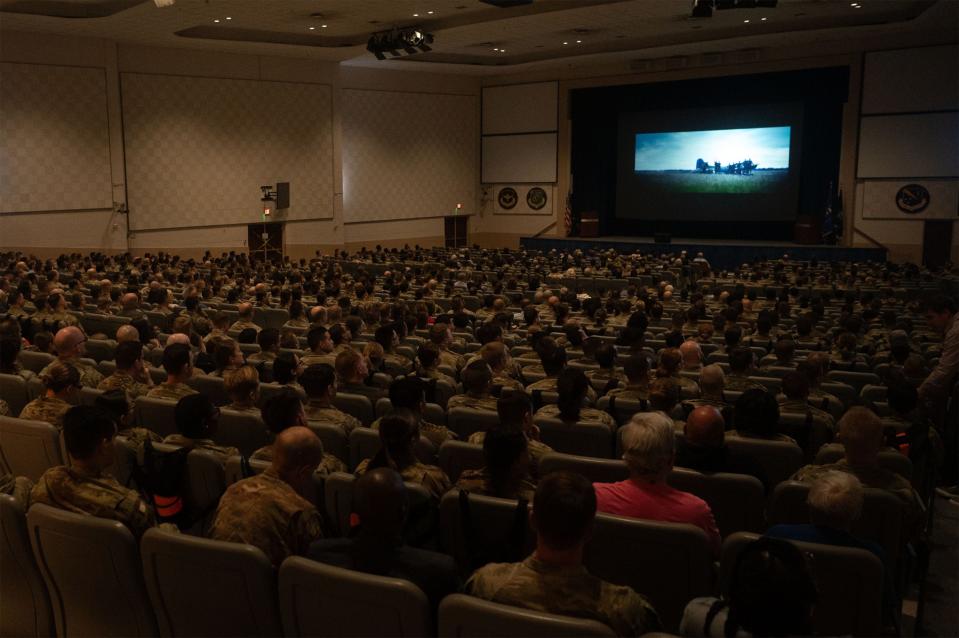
[(479, 318)]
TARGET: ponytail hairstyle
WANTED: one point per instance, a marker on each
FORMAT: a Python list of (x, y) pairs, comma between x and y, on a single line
[(399, 431), (572, 386)]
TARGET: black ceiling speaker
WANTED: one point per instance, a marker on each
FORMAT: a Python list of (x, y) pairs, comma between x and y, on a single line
[(506, 4)]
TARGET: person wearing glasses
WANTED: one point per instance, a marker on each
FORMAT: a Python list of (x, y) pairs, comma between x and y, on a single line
[(69, 344)]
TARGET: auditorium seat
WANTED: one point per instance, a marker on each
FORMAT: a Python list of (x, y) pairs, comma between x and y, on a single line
[(848, 580), (621, 408), (338, 499), (668, 563), (158, 415), (597, 470), (457, 456), (212, 387), (88, 395), (462, 616), (842, 391), (101, 349), (92, 572), (586, 439), (334, 440), (14, 390), (233, 469), (29, 448), (466, 421), (35, 361), (857, 380), (356, 405), (26, 603), (203, 587), (779, 459), (270, 390), (889, 459), (320, 600), (736, 500), (242, 430), (493, 520), (873, 393)]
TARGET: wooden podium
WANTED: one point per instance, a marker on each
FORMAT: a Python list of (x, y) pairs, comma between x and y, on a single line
[(456, 229)]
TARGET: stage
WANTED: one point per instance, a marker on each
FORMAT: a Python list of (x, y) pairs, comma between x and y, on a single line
[(721, 253)]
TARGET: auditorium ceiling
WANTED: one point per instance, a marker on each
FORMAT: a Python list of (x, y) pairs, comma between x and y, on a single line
[(474, 36)]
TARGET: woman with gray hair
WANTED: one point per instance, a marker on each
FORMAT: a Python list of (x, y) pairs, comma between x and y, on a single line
[(649, 445)]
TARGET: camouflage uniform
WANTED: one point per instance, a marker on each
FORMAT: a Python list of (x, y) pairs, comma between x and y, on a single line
[(313, 358), (586, 415), (537, 449), (266, 512), (243, 325), (4, 408), (398, 362), (691, 404), (18, 370), (90, 377), (436, 374), (243, 409), (452, 359), (18, 487), (741, 382), (570, 591), (797, 406), (437, 434), (549, 385), (688, 389), (327, 466), (121, 380), (487, 403), (201, 444), (478, 482), (261, 357), (101, 496), (606, 376), (429, 476), (330, 415), (49, 409), (508, 382), (138, 436), (169, 392), (631, 393)]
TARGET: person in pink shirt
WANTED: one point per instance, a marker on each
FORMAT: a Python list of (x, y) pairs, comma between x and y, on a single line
[(650, 448)]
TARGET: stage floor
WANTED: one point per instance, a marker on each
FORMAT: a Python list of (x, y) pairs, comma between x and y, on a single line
[(721, 253)]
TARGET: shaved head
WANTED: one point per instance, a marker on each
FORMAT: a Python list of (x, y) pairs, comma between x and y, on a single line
[(705, 426), (68, 341), (127, 332), (712, 379), (129, 300), (245, 310), (692, 353), (178, 337), (295, 449)]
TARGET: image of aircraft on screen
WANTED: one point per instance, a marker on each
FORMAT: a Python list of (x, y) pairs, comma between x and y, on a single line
[(735, 161)]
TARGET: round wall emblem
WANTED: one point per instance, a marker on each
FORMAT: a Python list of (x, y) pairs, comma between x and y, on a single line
[(507, 198), (536, 198), (912, 198)]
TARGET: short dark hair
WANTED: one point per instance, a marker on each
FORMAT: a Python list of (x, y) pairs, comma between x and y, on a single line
[(740, 359), (247, 335), (84, 428), (192, 414), (756, 412), (384, 336), (939, 304), (176, 356), (512, 408), (280, 411), (223, 353), (563, 509), (502, 446), (477, 376), (636, 367), (901, 396), (427, 354), (268, 338), (127, 353), (317, 378), (407, 392), (605, 355), (795, 385), (114, 403), (284, 368)]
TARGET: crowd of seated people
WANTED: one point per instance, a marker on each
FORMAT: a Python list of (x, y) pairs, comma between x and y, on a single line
[(673, 360)]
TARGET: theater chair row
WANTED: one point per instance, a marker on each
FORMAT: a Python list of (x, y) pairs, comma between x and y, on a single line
[(80, 575)]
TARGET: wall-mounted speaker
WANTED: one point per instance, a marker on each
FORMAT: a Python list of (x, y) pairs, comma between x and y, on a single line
[(282, 195)]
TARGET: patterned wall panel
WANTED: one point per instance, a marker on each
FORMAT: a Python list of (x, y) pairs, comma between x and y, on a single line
[(407, 154), (54, 139), (198, 149)]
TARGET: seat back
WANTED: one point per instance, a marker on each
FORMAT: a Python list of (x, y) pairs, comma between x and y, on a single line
[(463, 616), (779, 459), (35, 361), (621, 408), (158, 415), (466, 421), (334, 439), (668, 563), (242, 430), (849, 582), (881, 520), (873, 393), (101, 349), (858, 380), (596, 470), (211, 386), (270, 390), (322, 600), (92, 572), (888, 459), (26, 604), (29, 448), (586, 439), (88, 395), (207, 484), (456, 456), (357, 405), (736, 500), (13, 390), (842, 391), (233, 469), (202, 587), (492, 523)]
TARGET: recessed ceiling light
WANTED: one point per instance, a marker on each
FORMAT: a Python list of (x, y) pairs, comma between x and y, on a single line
[(311, 28), (430, 12), (746, 21), (764, 19), (323, 26), (216, 19), (229, 18), (566, 43), (502, 50), (496, 48), (416, 15), (579, 42)]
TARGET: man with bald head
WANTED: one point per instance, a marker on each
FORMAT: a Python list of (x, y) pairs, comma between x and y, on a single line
[(271, 510), (692, 355), (703, 446), (130, 306), (126, 332), (376, 546), (68, 343), (244, 318)]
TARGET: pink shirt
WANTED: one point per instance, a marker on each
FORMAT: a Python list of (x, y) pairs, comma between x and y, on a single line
[(657, 502)]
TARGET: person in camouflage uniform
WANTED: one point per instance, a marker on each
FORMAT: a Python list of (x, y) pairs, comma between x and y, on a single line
[(478, 381), (243, 387), (83, 487), (70, 349), (244, 318), (516, 411), (398, 434), (669, 362), (553, 579), (270, 510), (396, 364), (571, 387), (860, 432), (62, 386), (496, 356), (427, 357), (712, 381), (553, 359), (795, 400), (441, 334), (284, 411), (196, 421), (4, 408), (506, 472), (321, 347), (10, 346), (178, 364), (352, 371), (608, 375), (408, 393), (740, 365), (131, 374), (319, 383), (636, 369), (18, 487)]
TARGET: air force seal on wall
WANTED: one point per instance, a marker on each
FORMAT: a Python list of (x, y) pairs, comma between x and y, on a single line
[(507, 198), (536, 198), (912, 198)]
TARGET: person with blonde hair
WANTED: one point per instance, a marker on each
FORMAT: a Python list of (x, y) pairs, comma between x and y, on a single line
[(61, 382), (243, 387), (649, 444)]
